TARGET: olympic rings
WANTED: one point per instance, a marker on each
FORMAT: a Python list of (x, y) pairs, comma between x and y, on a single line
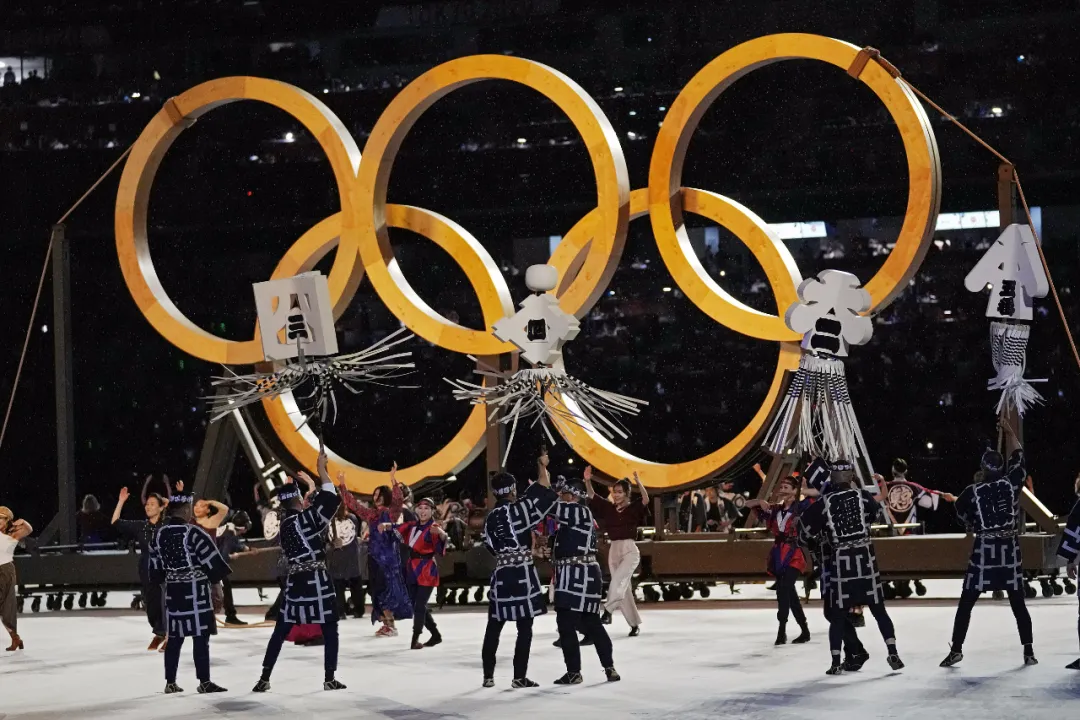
[(586, 257)]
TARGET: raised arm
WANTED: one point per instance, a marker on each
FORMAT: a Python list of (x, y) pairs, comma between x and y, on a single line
[(219, 517), (759, 471), (21, 529), (642, 490), (144, 493), (397, 494), (587, 477), (542, 475), (124, 493)]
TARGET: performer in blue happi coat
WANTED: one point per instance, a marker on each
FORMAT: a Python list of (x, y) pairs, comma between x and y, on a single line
[(184, 557), (990, 507), (515, 594), (842, 519), (310, 598), (1069, 549), (579, 583)]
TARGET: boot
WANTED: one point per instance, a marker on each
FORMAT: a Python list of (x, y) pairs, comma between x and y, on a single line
[(261, 686), (519, 683), (489, 682), (954, 657), (612, 675), (855, 660), (570, 679), (16, 643), (209, 687), (836, 668), (172, 687), (333, 684), (1074, 665), (895, 662), (233, 620), (416, 641), (634, 631), (434, 640), (1029, 655), (804, 635), (781, 636)]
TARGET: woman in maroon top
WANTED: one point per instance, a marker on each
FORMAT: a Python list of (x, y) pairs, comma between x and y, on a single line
[(620, 518)]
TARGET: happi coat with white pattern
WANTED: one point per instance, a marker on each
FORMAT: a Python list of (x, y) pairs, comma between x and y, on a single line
[(841, 521), (309, 590), (579, 581), (515, 590), (991, 510), (1069, 548), (186, 559)]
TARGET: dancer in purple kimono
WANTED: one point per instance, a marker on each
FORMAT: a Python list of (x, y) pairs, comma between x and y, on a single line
[(386, 577)]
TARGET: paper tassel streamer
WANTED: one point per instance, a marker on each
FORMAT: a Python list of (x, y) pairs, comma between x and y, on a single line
[(320, 377), (1008, 348), (521, 396), (818, 401)]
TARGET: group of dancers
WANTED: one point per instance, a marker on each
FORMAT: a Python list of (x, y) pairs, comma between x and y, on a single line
[(823, 512), (827, 513)]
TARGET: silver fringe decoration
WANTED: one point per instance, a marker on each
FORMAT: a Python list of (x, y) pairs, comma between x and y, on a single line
[(827, 426), (521, 395), (373, 365), (1008, 350)]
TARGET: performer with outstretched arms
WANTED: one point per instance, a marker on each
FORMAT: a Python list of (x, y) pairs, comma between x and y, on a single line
[(842, 519), (579, 583), (426, 541), (386, 578), (990, 507), (309, 592), (903, 499), (184, 557), (515, 593), (12, 532), (786, 560), (1069, 549), (142, 531), (620, 518)]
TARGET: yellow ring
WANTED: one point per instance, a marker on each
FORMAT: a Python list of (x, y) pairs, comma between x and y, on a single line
[(665, 177), (783, 277), (133, 197), (612, 189), (495, 302)]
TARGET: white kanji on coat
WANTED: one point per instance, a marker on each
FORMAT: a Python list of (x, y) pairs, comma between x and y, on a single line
[(828, 314), (1014, 272), (296, 313), (539, 329)]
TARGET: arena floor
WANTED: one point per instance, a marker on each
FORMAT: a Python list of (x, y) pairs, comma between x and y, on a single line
[(701, 660)]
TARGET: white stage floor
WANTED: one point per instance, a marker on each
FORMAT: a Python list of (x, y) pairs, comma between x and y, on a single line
[(708, 663)]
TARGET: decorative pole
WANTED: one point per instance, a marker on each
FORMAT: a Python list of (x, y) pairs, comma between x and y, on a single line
[(816, 417)]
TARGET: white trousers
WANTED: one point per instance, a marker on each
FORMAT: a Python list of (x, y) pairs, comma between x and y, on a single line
[(623, 559)]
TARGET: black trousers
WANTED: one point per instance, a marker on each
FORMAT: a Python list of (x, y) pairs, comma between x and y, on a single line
[(277, 639), (227, 598), (420, 595), (521, 647), (787, 598), (839, 621), (849, 636), (355, 587), (968, 598), (154, 604), (568, 622), (200, 650)]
